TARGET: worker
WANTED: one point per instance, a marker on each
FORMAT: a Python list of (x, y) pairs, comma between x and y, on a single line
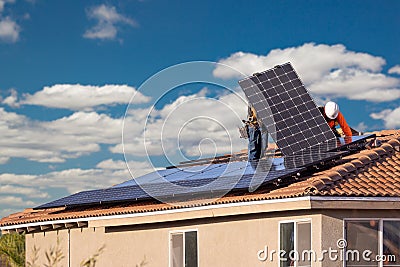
[(334, 117), (254, 134)]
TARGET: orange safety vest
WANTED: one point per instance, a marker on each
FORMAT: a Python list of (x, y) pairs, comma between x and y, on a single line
[(339, 120)]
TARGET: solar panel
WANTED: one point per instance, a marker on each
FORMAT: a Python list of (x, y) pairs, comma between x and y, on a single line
[(287, 110), (148, 178), (184, 173), (306, 159), (225, 177), (348, 141)]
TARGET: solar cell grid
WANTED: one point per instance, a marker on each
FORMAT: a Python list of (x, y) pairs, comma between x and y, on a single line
[(240, 177), (297, 123)]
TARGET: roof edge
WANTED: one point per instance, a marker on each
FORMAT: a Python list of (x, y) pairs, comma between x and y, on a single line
[(177, 210), (219, 210)]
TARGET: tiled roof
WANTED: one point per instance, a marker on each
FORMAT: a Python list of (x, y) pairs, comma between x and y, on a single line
[(373, 172)]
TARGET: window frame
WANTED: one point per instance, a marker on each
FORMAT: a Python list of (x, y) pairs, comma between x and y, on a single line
[(183, 232), (380, 233), (295, 221)]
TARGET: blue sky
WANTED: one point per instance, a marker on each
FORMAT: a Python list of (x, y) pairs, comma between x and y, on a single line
[(69, 68)]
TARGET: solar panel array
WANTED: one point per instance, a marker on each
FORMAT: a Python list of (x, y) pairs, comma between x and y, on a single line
[(283, 104), (227, 176)]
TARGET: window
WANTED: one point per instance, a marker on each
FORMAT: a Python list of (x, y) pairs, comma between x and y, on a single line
[(380, 237), (183, 250), (391, 242), (361, 236), (295, 243)]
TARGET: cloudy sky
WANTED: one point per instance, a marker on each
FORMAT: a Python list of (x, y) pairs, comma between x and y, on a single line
[(71, 70)]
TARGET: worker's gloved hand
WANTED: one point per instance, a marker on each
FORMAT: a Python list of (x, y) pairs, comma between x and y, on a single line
[(348, 139)]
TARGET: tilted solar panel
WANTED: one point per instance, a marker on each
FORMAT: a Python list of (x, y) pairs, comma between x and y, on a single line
[(283, 104)]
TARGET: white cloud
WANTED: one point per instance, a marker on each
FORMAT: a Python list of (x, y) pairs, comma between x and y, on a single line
[(4, 160), (36, 188), (357, 84), (395, 70), (11, 203), (108, 22), (15, 201), (106, 31), (20, 191), (31, 192), (5, 212), (110, 164), (72, 136), (391, 117), (137, 168), (3, 3), (80, 97), (54, 141), (12, 99), (327, 70), (361, 127), (193, 125), (9, 30)]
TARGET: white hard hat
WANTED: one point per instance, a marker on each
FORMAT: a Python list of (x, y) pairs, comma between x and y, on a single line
[(331, 110)]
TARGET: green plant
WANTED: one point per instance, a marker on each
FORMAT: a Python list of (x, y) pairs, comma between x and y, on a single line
[(12, 249)]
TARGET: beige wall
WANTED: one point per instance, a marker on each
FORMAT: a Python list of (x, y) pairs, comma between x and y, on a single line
[(46, 242), (232, 241), (225, 241)]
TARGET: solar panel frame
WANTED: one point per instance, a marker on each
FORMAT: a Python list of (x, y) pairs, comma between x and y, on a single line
[(296, 123), (345, 142)]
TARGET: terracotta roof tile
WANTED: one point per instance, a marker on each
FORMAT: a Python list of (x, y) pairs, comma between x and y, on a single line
[(364, 159), (395, 143), (370, 172), (335, 176), (341, 170), (358, 164), (363, 179), (381, 191), (388, 148), (347, 191), (373, 191), (393, 175), (388, 132), (390, 191), (380, 151), (390, 185), (364, 191)]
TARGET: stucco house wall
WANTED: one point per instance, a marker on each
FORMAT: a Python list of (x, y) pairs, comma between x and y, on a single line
[(229, 241), (225, 241)]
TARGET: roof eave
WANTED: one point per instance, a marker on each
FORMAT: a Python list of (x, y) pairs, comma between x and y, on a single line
[(217, 210)]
